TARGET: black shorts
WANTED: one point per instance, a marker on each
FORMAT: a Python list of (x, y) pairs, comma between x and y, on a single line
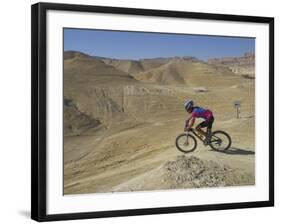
[(207, 123)]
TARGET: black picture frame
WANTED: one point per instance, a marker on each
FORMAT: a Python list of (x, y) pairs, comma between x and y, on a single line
[(38, 108)]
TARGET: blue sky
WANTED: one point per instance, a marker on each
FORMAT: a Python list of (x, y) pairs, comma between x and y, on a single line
[(137, 45)]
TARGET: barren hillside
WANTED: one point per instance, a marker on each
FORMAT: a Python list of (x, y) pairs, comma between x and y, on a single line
[(244, 65)]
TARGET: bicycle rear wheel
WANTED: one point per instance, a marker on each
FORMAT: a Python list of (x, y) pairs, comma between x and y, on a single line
[(186, 143), (220, 141)]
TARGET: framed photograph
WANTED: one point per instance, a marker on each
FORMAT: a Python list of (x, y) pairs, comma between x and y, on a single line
[(140, 111)]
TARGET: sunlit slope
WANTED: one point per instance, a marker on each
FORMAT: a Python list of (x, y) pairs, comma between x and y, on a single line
[(190, 73)]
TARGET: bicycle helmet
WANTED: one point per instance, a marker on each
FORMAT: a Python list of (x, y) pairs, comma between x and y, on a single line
[(188, 104)]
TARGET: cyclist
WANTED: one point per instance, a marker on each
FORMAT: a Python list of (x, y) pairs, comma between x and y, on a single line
[(199, 112)]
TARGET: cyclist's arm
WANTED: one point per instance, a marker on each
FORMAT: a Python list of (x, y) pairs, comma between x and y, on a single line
[(189, 122)]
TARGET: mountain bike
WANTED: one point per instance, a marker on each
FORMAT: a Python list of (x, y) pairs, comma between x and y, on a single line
[(217, 140)]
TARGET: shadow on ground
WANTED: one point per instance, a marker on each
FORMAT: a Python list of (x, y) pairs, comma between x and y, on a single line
[(24, 213), (236, 151)]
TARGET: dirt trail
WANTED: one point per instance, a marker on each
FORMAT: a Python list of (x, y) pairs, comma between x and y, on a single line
[(123, 161)]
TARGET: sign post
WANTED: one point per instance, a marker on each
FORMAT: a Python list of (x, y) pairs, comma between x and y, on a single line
[(237, 105)]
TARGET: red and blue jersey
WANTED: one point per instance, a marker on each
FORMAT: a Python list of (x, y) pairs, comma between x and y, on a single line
[(199, 112)]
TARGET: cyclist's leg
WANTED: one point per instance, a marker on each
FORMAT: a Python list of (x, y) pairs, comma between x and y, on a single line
[(209, 126), (201, 125)]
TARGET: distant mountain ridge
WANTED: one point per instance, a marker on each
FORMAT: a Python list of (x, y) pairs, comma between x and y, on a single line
[(243, 65), (68, 54), (185, 70), (131, 67)]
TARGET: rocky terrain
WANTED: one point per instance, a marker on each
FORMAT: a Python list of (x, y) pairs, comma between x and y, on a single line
[(244, 65), (121, 118)]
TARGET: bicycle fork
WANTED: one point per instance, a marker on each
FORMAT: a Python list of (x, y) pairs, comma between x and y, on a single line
[(186, 141)]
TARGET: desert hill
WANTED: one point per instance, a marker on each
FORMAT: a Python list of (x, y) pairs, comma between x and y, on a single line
[(184, 69), (136, 66), (120, 127), (87, 95), (107, 95), (77, 65), (129, 66), (188, 72), (243, 65)]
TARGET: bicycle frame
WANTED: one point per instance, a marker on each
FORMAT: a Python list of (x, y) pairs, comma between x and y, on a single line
[(197, 135)]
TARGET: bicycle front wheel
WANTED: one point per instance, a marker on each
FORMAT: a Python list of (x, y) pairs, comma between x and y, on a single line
[(220, 141), (186, 143)]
